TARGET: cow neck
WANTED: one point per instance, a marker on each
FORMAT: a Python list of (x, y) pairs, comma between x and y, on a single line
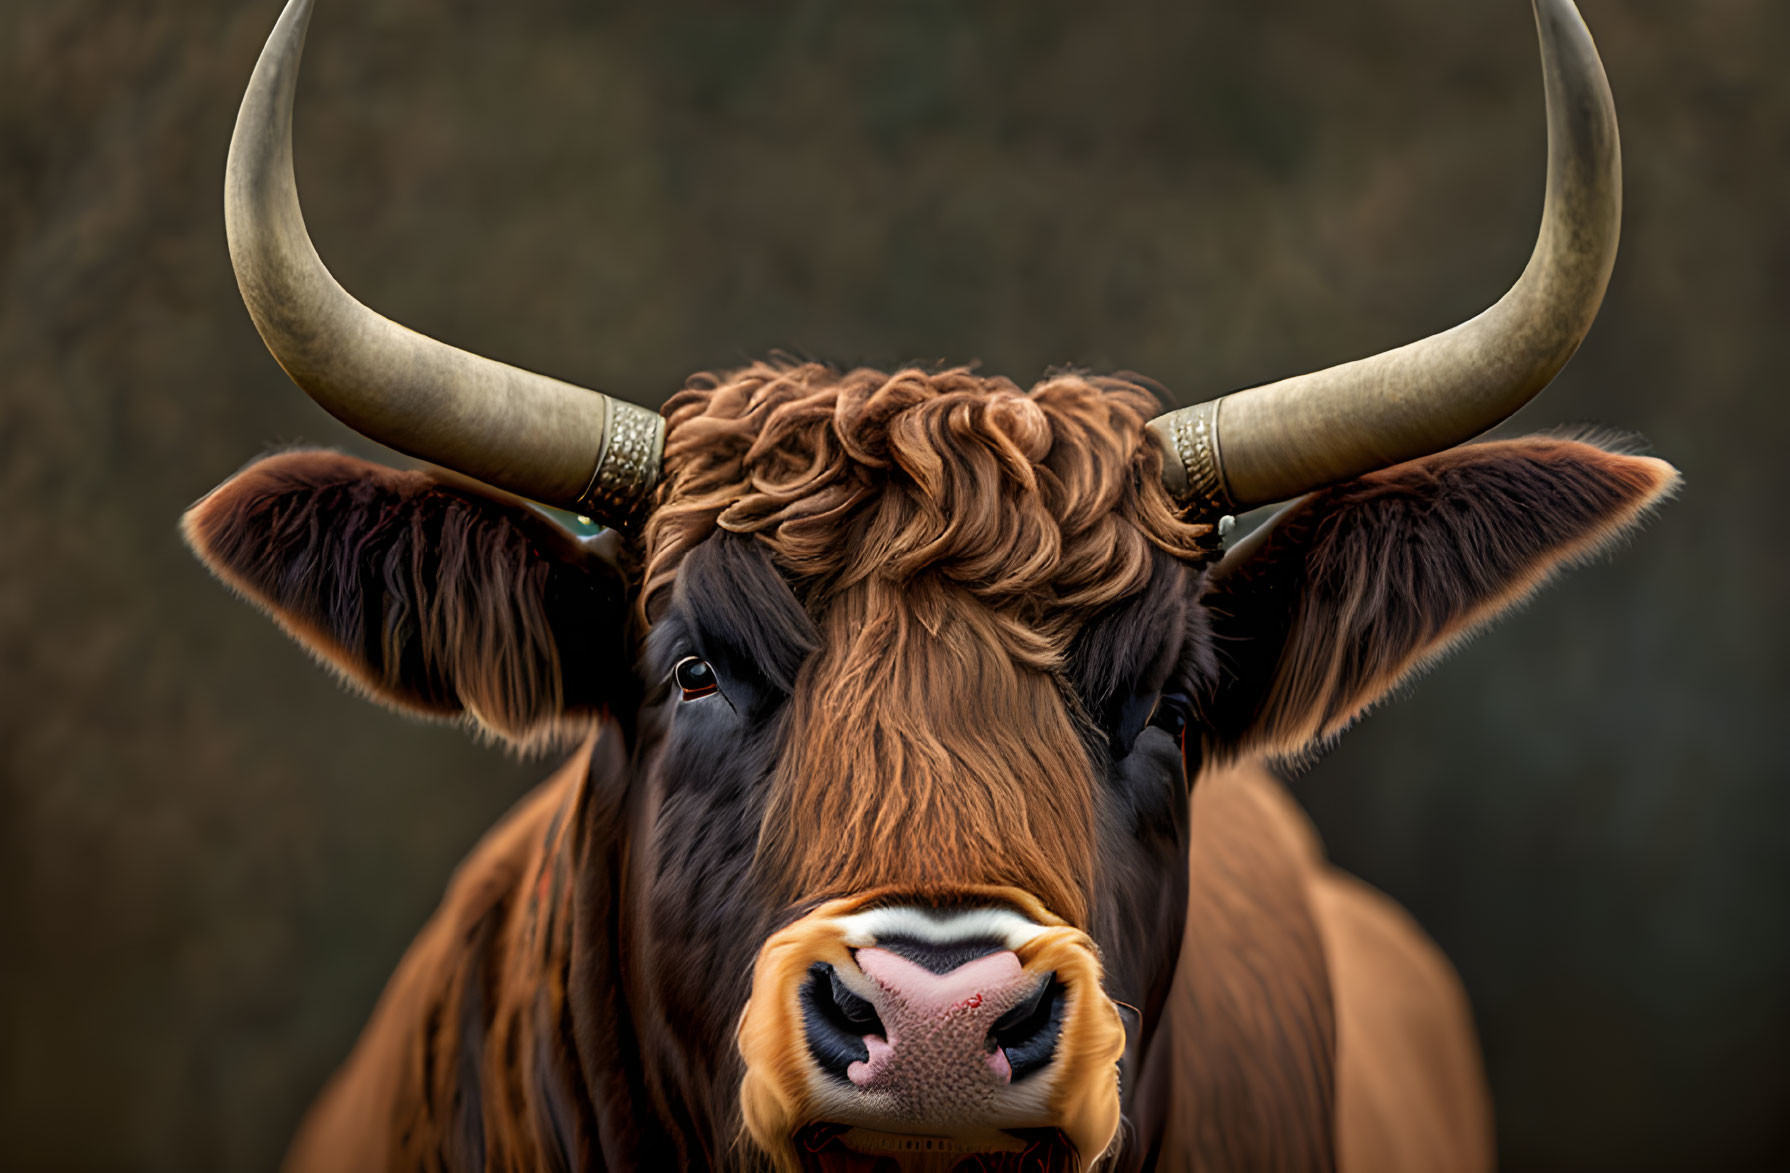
[(600, 1022), (1251, 1024)]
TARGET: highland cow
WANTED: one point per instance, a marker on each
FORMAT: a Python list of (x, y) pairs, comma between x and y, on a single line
[(914, 820)]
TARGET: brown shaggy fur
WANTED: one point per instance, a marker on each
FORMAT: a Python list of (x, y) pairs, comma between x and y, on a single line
[(952, 534), (948, 536)]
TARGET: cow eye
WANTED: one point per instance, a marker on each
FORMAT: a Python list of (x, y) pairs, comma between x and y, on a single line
[(1172, 713), (695, 677)]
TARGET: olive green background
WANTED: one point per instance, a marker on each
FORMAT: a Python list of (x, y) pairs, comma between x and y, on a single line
[(211, 856)]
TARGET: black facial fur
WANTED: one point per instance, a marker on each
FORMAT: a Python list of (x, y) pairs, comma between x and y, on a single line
[(707, 770), (1148, 647), (739, 615)]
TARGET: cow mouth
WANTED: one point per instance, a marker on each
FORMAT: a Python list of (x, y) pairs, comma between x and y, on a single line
[(839, 1148)]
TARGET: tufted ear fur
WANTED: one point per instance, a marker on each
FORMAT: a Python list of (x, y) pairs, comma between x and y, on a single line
[(434, 597), (1350, 590)]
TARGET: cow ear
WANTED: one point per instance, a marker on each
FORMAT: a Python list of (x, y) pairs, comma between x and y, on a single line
[(1352, 589), (435, 597)]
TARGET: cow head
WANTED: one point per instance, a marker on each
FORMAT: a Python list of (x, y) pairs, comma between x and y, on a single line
[(912, 673), (943, 613)]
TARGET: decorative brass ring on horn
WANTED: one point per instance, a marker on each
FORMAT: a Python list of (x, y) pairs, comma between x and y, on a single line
[(633, 447), (1195, 436)]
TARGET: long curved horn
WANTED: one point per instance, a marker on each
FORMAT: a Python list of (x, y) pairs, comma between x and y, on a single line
[(554, 442), (1276, 441)]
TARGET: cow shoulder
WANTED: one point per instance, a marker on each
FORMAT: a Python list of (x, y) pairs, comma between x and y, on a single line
[(1350, 590), (1314, 1025), (434, 596), (468, 1017), (1411, 1092)]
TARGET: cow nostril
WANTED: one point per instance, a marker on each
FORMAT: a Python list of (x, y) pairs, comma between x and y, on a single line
[(836, 1020), (857, 1012), (1028, 1033)]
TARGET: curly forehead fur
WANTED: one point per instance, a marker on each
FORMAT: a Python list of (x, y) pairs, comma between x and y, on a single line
[(1039, 503), (950, 534)]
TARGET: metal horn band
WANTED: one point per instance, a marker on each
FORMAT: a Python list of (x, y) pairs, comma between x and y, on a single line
[(1194, 433)]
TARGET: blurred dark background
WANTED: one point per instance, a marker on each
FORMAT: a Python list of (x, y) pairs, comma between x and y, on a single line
[(211, 857)]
